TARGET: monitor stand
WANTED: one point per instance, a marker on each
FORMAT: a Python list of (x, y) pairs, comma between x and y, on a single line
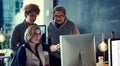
[(82, 59)]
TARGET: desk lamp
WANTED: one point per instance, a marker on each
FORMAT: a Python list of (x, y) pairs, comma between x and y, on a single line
[(103, 47), (2, 38)]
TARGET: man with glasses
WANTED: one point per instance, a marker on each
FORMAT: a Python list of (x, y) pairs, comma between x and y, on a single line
[(60, 26)]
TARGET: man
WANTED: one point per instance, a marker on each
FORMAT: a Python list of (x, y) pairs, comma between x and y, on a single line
[(60, 26), (31, 12)]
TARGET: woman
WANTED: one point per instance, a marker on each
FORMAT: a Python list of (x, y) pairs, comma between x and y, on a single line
[(30, 11), (31, 53)]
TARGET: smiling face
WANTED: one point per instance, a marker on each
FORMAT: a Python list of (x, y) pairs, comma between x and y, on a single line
[(31, 12), (36, 37), (59, 17), (31, 17)]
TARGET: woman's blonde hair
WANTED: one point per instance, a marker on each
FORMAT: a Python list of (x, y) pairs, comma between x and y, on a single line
[(30, 31)]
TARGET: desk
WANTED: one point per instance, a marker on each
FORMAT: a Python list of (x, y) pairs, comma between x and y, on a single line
[(4, 60), (7, 53), (104, 65)]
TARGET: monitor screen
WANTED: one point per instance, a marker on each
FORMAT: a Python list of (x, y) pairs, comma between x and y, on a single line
[(43, 32), (114, 52), (78, 50)]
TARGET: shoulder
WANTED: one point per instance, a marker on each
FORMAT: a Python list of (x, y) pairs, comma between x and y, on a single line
[(51, 25), (75, 27), (39, 46), (20, 28), (21, 48), (70, 22), (20, 25), (21, 51)]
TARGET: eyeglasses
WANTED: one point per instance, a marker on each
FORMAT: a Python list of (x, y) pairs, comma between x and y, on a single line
[(36, 35), (56, 16)]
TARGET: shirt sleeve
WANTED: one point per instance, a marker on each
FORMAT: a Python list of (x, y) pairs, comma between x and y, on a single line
[(21, 56), (46, 47), (15, 39), (76, 30)]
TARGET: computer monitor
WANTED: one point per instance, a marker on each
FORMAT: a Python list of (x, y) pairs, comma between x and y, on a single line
[(114, 51), (78, 50), (43, 32)]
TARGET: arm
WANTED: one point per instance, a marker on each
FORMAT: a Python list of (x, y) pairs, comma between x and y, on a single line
[(76, 30), (42, 56), (54, 48), (15, 39), (21, 56)]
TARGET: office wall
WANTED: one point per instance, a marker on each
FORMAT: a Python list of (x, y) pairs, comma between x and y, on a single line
[(94, 16), (48, 14), (1, 14)]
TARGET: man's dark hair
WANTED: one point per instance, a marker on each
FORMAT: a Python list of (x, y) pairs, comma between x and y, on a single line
[(59, 8)]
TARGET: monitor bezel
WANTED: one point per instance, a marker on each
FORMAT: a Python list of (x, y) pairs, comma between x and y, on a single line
[(42, 34), (110, 50)]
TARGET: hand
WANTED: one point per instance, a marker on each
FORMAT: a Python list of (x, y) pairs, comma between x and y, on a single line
[(58, 46), (54, 48)]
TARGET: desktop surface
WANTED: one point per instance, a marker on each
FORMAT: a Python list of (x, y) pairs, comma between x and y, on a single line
[(7, 53), (97, 64)]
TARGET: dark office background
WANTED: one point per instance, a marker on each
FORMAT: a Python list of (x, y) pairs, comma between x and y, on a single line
[(91, 16), (1, 14), (94, 16)]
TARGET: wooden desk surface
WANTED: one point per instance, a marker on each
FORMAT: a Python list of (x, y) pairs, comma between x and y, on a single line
[(7, 53), (104, 65)]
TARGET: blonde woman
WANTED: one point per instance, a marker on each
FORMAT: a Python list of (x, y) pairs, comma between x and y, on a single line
[(31, 52)]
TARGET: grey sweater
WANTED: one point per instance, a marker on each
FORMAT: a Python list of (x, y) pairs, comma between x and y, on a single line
[(67, 28)]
